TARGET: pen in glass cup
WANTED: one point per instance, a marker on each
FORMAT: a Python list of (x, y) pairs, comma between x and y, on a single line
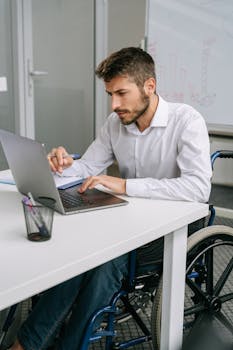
[(35, 215), (36, 211)]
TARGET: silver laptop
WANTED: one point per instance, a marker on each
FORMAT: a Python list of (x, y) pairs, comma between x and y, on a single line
[(28, 162)]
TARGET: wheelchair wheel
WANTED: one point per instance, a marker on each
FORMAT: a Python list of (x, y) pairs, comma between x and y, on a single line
[(209, 281)]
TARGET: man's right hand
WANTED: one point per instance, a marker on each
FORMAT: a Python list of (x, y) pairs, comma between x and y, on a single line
[(59, 159)]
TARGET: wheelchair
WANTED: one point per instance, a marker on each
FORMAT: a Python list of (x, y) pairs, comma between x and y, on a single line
[(208, 289)]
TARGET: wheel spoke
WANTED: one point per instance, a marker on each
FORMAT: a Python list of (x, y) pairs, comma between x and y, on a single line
[(226, 297), (209, 266), (194, 309), (219, 285), (222, 318)]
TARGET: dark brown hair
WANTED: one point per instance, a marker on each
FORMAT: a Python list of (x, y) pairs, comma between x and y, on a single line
[(133, 62)]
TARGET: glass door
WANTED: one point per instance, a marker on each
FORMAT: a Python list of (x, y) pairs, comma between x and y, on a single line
[(7, 117), (63, 72)]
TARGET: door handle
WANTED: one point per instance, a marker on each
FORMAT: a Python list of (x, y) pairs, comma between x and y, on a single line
[(37, 73), (32, 74)]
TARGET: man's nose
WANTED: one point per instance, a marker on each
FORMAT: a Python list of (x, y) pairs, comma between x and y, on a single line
[(115, 102)]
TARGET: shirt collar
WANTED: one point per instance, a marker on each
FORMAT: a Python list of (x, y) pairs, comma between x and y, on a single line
[(161, 115)]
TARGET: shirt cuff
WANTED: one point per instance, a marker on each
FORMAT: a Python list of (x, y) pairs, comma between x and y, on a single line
[(134, 189)]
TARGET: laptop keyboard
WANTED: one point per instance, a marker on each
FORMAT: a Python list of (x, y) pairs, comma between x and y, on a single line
[(71, 200)]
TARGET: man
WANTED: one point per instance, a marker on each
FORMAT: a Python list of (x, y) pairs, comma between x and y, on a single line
[(162, 150)]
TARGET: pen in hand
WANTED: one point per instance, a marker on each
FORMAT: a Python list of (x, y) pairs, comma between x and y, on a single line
[(60, 160), (74, 156)]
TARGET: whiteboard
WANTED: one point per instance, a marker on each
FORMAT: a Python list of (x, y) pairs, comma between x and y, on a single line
[(191, 42)]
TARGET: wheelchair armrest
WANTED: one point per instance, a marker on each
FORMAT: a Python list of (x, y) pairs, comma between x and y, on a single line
[(221, 154)]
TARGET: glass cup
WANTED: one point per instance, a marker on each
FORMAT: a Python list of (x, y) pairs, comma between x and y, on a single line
[(39, 220)]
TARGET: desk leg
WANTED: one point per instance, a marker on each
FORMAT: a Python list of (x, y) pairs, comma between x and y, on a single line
[(173, 289)]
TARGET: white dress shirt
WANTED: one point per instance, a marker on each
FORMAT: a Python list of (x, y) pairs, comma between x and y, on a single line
[(168, 160)]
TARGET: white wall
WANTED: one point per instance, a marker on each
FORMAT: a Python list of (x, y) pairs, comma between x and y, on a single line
[(195, 66), (126, 23)]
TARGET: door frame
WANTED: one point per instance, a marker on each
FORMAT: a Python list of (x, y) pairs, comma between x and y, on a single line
[(23, 65), (22, 60)]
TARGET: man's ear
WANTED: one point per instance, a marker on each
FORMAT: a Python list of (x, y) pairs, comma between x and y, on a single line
[(150, 86)]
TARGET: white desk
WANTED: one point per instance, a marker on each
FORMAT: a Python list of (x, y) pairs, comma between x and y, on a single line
[(80, 242)]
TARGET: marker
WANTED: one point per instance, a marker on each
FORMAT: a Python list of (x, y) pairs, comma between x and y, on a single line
[(30, 197)]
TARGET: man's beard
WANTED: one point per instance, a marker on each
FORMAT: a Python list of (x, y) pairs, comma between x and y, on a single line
[(137, 113)]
